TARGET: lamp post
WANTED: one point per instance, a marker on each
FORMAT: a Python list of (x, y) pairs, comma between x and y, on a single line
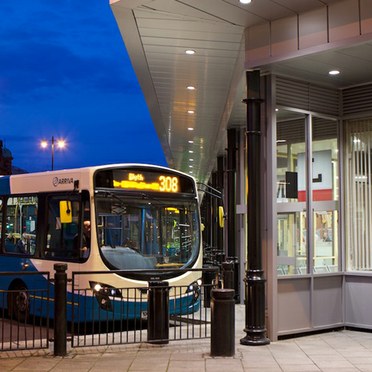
[(59, 143)]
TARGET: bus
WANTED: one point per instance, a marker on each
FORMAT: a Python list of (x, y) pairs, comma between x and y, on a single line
[(135, 222)]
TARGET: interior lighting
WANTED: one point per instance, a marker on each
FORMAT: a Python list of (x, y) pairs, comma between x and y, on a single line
[(191, 159), (190, 87), (190, 128), (334, 72), (190, 52), (245, 1), (191, 141), (190, 111), (191, 152)]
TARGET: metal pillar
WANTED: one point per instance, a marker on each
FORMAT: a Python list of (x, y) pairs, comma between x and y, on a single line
[(231, 207), (231, 191), (206, 208), (214, 211), (52, 153), (219, 187), (254, 280)]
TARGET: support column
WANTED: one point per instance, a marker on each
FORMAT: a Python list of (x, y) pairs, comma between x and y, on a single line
[(231, 191), (231, 206), (254, 280), (214, 213), (220, 187)]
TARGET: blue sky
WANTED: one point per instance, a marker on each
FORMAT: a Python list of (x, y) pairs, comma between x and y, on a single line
[(64, 72)]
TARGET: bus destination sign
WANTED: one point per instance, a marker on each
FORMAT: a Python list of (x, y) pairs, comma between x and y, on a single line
[(141, 181)]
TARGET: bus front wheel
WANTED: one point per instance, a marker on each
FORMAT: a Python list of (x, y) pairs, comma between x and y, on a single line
[(18, 303)]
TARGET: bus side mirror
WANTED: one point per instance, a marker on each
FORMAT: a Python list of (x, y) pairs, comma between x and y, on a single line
[(221, 217), (65, 211)]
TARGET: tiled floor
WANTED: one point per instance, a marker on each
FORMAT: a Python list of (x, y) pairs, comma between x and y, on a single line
[(341, 351)]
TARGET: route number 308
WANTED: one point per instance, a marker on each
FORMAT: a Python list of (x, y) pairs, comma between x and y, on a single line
[(168, 184)]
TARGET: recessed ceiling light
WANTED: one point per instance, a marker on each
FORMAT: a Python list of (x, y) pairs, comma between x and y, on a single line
[(190, 111), (190, 87), (276, 110), (245, 1), (190, 166), (191, 141), (191, 152), (334, 72), (190, 128), (191, 159), (190, 51)]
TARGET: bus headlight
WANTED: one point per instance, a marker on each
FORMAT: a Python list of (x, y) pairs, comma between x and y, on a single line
[(106, 289), (194, 288), (103, 292)]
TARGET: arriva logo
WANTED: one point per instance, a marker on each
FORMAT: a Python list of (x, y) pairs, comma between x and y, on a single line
[(62, 181)]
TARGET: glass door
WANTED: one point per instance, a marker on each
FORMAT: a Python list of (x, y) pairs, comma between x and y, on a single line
[(307, 226)]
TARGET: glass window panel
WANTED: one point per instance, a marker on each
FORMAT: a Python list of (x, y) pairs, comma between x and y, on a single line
[(138, 234), (290, 153), (291, 249), (325, 241), (325, 160), (21, 217), (325, 194)]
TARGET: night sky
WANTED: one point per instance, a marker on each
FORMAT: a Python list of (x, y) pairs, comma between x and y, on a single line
[(64, 72)]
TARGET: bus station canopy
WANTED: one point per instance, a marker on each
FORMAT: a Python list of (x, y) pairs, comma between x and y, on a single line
[(191, 124)]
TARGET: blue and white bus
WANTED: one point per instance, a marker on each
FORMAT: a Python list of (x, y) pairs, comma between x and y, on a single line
[(132, 217)]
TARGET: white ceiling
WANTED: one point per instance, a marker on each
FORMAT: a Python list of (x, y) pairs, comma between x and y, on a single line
[(158, 32)]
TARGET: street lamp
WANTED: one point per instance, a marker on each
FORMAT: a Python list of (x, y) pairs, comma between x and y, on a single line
[(59, 143)]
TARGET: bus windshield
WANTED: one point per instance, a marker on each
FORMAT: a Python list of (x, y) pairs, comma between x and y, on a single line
[(137, 233)]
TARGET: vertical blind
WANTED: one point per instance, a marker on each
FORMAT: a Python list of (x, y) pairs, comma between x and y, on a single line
[(358, 195)]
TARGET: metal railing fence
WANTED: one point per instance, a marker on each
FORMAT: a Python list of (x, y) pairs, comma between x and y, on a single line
[(24, 311), (158, 313), (101, 317)]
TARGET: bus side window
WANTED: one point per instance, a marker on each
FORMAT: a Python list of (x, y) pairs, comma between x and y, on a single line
[(21, 217)]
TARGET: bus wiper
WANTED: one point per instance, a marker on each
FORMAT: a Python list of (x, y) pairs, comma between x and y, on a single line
[(111, 194)]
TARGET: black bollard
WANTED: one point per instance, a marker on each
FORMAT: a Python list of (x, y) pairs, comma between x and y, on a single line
[(60, 300), (228, 275), (209, 277), (222, 322), (158, 313)]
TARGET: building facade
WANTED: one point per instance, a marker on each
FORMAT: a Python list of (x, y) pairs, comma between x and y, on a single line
[(6, 159)]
